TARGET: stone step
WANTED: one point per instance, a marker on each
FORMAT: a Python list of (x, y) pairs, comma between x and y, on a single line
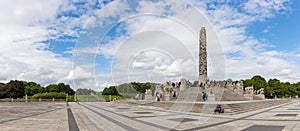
[(246, 107)]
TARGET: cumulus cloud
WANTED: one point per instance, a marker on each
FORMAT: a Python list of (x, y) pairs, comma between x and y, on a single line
[(245, 55), (23, 56), (24, 28), (156, 41)]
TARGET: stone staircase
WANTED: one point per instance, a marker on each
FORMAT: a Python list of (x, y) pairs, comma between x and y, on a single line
[(228, 95), (222, 94), (190, 99), (195, 84), (185, 99), (237, 108)]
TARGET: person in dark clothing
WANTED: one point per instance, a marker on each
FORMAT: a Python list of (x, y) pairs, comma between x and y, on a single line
[(219, 109)]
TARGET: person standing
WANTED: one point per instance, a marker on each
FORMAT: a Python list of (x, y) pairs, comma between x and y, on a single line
[(157, 97), (204, 95), (160, 96)]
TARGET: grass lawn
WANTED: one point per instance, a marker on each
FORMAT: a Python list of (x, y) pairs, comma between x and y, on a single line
[(85, 97), (106, 97)]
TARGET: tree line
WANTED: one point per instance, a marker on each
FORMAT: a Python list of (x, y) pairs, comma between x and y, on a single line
[(18, 89), (83, 91), (274, 87), (130, 89)]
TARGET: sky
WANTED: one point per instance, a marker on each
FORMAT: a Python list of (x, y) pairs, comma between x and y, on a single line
[(98, 43)]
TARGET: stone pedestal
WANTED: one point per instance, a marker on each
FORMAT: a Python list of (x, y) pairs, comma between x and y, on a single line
[(262, 96), (67, 97), (149, 97), (75, 98), (26, 99), (248, 96), (211, 97), (182, 87), (166, 97)]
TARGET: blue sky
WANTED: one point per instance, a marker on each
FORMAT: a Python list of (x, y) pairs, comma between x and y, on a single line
[(282, 30), (95, 44)]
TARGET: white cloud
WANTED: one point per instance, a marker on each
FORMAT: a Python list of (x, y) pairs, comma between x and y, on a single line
[(251, 56), (266, 31), (25, 24), (262, 9), (22, 55), (169, 52)]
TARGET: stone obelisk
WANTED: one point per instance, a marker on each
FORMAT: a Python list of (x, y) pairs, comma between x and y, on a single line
[(202, 56)]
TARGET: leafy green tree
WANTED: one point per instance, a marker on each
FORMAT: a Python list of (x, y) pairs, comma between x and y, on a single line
[(84, 91), (52, 88), (247, 82), (32, 88), (65, 88), (268, 91), (15, 89), (61, 87), (3, 91), (110, 91), (125, 88), (258, 82), (292, 90), (141, 87), (273, 83)]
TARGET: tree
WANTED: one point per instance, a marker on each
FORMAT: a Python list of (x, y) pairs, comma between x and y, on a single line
[(110, 91), (3, 92), (125, 88), (274, 83), (52, 88), (14, 89), (32, 88), (17, 89), (69, 90), (61, 87), (258, 82), (247, 82), (268, 91), (141, 87), (84, 91)]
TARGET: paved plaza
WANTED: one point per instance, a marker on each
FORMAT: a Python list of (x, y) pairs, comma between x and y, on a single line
[(33, 116), (97, 116), (111, 116)]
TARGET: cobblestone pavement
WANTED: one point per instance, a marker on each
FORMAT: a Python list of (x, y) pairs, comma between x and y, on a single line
[(97, 116), (33, 116), (113, 116)]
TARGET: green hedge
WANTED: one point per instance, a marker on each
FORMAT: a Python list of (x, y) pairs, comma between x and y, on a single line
[(49, 95)]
